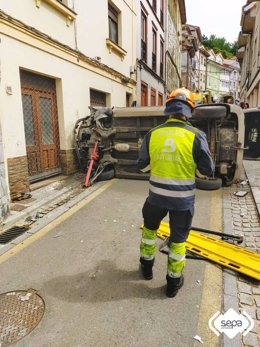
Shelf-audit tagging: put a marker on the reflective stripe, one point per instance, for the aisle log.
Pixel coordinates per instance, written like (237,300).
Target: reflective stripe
(148,241)
(178,182)
(147,257)
(177,256)
(174,274)
(146,169)
(172,193)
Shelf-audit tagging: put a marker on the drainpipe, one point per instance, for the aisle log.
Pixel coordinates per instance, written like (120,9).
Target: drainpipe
(206,75)
(75,29)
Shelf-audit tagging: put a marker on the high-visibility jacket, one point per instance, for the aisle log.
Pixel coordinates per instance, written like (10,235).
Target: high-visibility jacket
(172,152)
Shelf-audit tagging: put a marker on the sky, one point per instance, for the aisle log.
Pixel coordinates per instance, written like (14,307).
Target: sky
(219,17)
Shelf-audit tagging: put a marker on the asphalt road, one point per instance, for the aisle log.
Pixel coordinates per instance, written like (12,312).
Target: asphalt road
(86,268)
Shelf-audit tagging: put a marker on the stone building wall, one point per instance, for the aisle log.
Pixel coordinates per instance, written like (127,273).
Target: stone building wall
(69,162)
(18,176)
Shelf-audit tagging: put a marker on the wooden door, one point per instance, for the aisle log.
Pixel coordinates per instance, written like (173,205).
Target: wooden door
(144,94)
(41,132)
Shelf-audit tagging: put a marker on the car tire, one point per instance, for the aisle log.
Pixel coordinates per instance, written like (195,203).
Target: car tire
(208,184)
(106,175)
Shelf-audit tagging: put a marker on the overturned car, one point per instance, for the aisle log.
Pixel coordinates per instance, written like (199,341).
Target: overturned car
(107,141)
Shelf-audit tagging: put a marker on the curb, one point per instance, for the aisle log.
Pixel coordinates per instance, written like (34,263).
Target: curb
(28,211)
(252,169)
(50,218)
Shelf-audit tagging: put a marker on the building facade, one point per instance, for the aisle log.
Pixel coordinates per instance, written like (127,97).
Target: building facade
(50,74)
(232,68)
(248,53)
(158,49)
(214,68)
(151,17)
(176,17)
(203,60)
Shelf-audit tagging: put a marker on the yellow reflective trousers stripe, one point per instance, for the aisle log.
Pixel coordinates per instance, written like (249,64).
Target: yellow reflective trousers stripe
(176,259)
(148,243)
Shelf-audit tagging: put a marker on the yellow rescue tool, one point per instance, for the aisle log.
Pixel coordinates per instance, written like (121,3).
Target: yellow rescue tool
(223,253)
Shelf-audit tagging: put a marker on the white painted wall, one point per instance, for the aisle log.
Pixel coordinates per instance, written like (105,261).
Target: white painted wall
(73,92)
(73,80)
(45,18)
(92,32)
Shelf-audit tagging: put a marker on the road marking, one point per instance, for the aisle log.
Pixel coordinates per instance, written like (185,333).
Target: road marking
(16,249)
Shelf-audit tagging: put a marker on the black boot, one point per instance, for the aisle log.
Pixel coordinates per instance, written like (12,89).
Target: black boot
(147,268)
(173,285)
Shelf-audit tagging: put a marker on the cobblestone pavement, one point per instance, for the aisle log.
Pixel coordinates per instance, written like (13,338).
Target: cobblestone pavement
(241,218)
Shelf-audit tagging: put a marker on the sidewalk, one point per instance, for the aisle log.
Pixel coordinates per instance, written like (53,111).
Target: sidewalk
(252,169)
(241,217)
(52,199)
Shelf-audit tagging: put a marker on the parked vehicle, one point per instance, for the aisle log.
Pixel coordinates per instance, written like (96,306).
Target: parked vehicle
(119,133)
(252,133)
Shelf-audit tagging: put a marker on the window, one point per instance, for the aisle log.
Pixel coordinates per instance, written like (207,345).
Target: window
(144,94)
(97,98)
(153,97)
(160,99)
(154,52)
(154,4)
(162,12)
(161,58)
(113,24)
(143,37)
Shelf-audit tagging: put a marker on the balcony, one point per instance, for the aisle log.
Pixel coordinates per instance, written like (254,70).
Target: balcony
(240,52)
(242,39)
(248,18)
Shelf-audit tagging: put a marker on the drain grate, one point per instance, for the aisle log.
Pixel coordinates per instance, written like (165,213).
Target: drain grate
(12,233)
(20,312)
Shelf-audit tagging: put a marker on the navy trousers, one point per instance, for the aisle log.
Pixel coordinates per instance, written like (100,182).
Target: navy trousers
(180,221)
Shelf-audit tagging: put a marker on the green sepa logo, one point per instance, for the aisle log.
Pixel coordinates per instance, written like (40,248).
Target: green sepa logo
(231,323)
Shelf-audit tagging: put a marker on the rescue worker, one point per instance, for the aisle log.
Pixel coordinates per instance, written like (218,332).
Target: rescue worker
(172,152)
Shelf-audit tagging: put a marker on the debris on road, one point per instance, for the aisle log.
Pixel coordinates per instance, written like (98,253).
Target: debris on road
(58,235)
(241,193)
(198,338)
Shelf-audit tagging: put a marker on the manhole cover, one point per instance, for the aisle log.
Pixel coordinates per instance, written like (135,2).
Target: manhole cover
(20,313)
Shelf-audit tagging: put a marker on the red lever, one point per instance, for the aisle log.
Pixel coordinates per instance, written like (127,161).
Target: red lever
(94,157)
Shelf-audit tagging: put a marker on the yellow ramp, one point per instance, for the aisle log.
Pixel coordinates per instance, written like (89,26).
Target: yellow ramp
(223,253)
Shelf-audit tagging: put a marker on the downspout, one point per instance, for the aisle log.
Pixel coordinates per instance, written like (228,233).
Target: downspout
(75,29)
(206,75)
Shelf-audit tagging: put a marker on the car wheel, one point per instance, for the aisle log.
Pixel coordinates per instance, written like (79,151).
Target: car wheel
(208,184)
